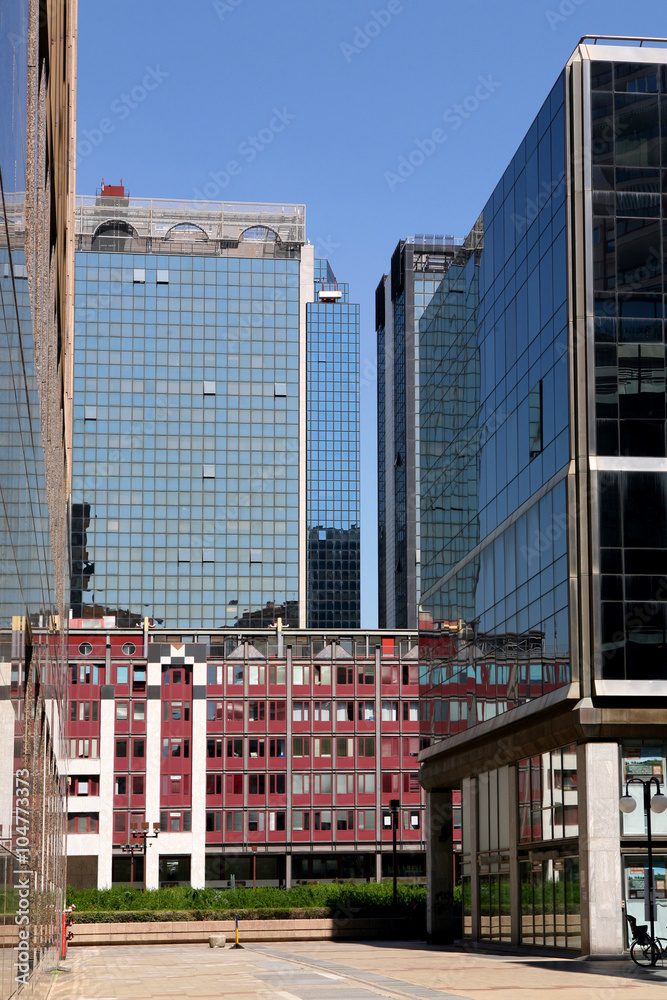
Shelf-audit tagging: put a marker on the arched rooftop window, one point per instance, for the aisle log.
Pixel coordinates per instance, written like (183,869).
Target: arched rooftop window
(113,234)
(186,231)
(260,233)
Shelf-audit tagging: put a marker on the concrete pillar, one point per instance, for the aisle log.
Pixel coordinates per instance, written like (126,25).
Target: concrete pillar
(440,924)
(153,761)
(474,850)
(600,871)
(288,871)
(198,776)
(378,866)
(107,752)
(515,870)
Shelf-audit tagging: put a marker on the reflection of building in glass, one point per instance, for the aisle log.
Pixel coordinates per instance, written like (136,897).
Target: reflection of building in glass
(215,416)
(417,268)
(37,52)
(543,619)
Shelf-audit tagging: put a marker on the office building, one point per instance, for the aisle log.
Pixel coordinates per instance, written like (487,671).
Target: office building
(254,754)
(542,620)
(417,268)
(216,417)
(332,440)
(37,67)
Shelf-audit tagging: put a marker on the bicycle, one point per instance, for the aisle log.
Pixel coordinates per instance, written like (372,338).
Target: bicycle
(644,951)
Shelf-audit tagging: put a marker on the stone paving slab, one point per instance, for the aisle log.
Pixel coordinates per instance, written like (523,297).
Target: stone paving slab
(342,971)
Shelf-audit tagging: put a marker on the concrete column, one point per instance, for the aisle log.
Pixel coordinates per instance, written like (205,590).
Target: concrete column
(515,871)
(600,872)
(107,746)
(288,871)
(474,850)
(288,749)
(198,776)
(440,924)
(306,295)
(378,866)
(153,760)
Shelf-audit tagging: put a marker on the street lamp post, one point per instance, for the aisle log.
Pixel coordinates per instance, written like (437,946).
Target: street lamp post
(141,833)
(657,804)
(131,849)
(394,803)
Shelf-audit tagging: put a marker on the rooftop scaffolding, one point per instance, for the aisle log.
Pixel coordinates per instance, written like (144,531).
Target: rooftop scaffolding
(198,221)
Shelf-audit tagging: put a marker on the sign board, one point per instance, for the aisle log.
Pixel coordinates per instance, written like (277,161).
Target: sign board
(643,762)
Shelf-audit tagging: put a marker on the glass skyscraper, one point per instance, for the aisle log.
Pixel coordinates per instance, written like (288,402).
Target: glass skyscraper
(201,333)
(417,268)
(543,608)
(333,454)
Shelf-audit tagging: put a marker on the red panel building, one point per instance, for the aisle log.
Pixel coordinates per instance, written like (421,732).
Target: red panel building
(257,755)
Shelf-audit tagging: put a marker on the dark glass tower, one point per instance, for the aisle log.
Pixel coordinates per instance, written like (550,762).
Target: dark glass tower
(543,619)
(417,268)
(195,482)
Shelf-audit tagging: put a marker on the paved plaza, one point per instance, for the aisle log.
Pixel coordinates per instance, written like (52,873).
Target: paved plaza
(307,970)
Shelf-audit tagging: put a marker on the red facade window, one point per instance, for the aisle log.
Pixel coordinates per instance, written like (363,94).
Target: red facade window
(234,784)
(83,822)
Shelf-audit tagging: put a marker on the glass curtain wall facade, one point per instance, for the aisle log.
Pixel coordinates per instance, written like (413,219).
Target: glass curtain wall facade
(417,268)
(543,638)
(37,51)
(334,583)
(191,496)
(494,618)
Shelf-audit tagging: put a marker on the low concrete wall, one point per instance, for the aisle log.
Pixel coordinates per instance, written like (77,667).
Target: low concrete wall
(198,931)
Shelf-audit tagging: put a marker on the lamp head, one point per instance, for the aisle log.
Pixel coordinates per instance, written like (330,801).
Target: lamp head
(659,803)
(627,804)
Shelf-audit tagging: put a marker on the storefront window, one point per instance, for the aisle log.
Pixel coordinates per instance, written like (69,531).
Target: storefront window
(548,805)
(550,914)
(643,761)
(635,876)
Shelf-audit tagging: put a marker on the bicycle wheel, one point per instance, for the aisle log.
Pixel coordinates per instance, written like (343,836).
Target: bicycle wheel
(644,954)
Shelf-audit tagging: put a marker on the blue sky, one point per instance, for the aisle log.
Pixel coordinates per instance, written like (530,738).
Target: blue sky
(320,102)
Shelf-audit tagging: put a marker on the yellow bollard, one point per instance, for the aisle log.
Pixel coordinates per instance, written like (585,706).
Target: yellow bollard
(237,945)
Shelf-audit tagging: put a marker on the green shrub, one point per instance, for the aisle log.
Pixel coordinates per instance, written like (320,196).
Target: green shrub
(338,899)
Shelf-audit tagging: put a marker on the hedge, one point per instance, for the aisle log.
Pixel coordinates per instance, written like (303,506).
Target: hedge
(344,899)
(153,916)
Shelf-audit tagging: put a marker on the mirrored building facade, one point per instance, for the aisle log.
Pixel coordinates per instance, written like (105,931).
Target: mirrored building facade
(542,448)
(215,418)
(417,268)
(332,436)
(37,55)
